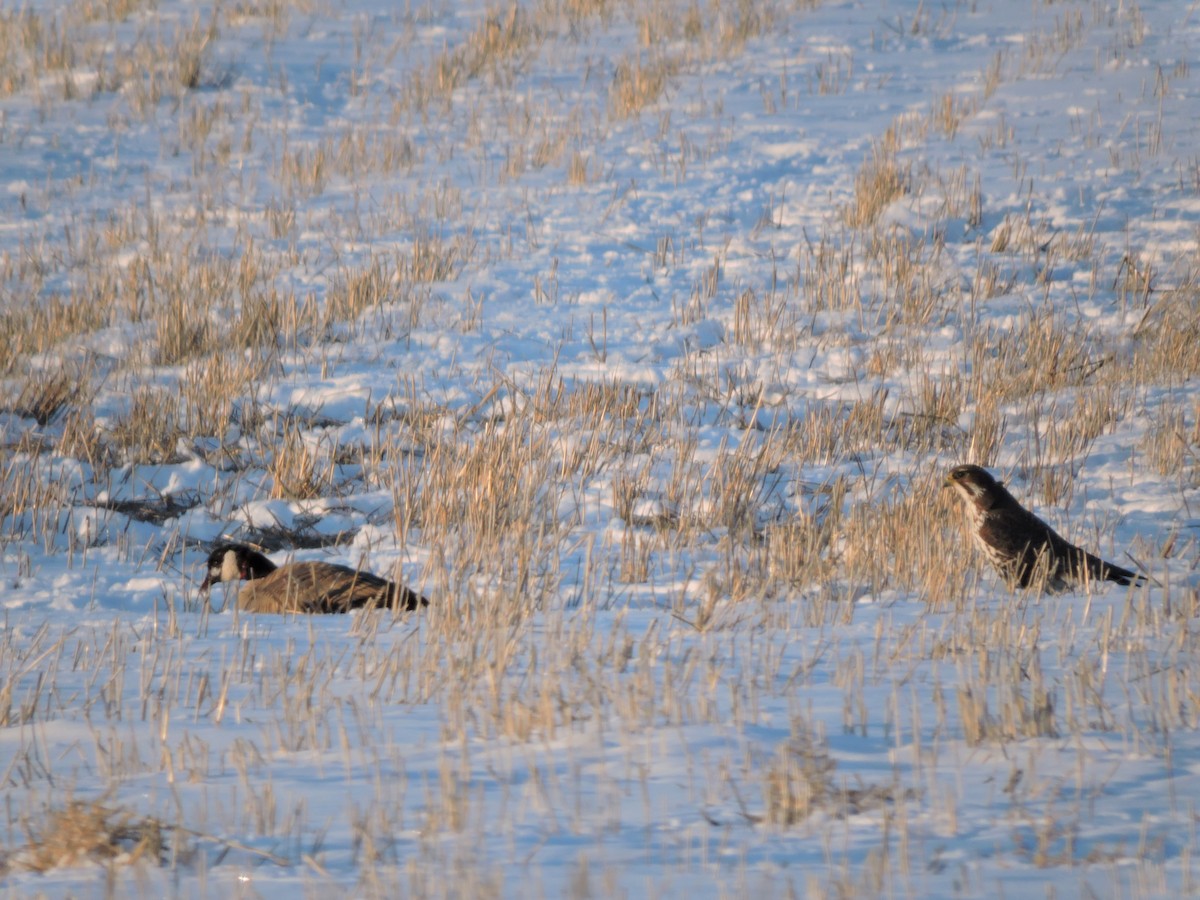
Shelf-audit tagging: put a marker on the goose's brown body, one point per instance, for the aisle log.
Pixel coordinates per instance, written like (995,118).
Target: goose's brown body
(304,587)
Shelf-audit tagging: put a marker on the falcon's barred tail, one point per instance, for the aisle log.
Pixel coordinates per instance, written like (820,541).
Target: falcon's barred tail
(1098,568)
(1124,576)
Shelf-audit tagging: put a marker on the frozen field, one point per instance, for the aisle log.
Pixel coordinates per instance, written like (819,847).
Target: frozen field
(639,336)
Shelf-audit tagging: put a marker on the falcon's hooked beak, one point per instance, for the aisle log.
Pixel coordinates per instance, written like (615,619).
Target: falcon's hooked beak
(950,481)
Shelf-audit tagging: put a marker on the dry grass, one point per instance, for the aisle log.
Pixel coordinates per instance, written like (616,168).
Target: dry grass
(737,507)
(496,48)
(1172,442)
(30,503)
(149,431)
(37,324)
(1167,348)
(637,83)
(1042,354)
(950,111)
(43,395)
(914,289)
(881,179)
(213,387)
(800,781)
(300,470)
(82,832)
(65,48)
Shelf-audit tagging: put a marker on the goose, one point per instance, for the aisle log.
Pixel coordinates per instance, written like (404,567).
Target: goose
(302,587)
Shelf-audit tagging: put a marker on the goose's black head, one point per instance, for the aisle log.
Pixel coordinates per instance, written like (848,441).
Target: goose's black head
(234,562)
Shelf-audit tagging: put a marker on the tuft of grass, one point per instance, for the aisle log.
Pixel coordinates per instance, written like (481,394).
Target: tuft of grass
(1021,713)
(580,169)
(192,48)
(354,291)
(80,832)
(1171,443)
(800,781)
(263,321)
(149,431)
(638,81)
(1044,352)
(880,180)
(497,47)
(299,469)
(211,388)
(39,324)
(900,542)
(949,112)
(833,75)
(183,332)
(43,395)
(431,258)
(1167,338)
(742,21)
(29,505)
(764,321)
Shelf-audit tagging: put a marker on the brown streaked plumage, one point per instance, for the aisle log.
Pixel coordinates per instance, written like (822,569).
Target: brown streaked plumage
(1024,549)
(303,587)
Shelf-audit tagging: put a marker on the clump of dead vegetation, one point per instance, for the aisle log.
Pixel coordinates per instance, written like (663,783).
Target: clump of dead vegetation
(84,832)
(801,781)
(547,499)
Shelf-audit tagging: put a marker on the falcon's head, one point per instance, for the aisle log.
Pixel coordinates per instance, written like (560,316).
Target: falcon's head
(975,485)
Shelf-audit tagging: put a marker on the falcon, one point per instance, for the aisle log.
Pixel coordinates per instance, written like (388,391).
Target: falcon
(1024,549)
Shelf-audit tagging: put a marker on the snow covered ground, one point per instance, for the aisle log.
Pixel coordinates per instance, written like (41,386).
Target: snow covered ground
(639,336)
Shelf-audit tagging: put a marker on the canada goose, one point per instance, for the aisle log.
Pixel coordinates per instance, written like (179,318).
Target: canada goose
(303,587)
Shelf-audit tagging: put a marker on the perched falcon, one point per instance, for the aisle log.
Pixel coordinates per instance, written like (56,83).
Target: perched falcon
(1024,549)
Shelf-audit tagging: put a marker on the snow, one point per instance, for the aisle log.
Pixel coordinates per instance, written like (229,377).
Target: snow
(603,701)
